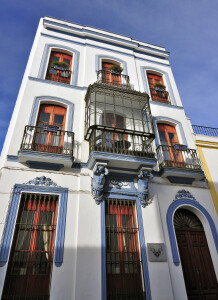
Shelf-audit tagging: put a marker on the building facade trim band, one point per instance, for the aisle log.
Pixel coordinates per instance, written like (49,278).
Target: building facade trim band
(213,192)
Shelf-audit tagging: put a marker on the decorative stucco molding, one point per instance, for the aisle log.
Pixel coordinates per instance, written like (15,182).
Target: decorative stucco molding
(42,181)
(144,177)
(119,184)
(98,182)
(184,194)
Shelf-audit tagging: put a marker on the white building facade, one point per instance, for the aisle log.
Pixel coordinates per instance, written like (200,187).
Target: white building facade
(103,195)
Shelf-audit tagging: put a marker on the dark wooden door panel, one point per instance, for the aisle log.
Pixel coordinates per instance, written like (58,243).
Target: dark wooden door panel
(199,274)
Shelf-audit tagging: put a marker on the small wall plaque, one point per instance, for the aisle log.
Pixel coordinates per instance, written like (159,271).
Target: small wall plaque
(156,252)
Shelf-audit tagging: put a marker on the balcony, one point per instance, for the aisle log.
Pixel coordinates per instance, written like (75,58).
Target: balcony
(209,131)
(59,75)
(118,126)
(160,96)
(46,145)
(113,78)
(176,164)
(120,141)
(170,157)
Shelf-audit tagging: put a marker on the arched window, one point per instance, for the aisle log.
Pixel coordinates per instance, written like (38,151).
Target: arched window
(49,134)
(157,88)
(197,266)
(59,67)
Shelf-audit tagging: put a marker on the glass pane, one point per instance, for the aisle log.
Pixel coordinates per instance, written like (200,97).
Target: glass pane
(27,217)
(58,119)
(55,58)
(43,239)
(40,263)
(172,138)
(67,61)
(44,117)
(45,218)
(162,138)
(19,264)
(23,240)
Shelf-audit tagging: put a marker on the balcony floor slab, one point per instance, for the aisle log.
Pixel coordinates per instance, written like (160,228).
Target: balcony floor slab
(120,161)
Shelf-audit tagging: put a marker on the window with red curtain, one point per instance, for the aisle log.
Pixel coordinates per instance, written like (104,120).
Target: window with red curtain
(108,77)
(157,94)
(168,138)
(123,260)
(59,67)
(30,263)
(49,135)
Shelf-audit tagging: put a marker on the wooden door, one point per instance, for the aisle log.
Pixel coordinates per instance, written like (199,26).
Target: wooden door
(108,77)
(31,258)
(49,135)
(60,74)
(168,138)
(198,270)
(123,263)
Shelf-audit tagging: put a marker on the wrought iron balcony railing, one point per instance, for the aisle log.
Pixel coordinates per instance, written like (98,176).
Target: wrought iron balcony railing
(205,130)
(59,75)
(160,96)
(171,157)
(120,141)
(113,78)
(48,139)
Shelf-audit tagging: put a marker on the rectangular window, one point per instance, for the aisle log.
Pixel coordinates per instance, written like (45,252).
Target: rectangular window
(123,259)
(31,258)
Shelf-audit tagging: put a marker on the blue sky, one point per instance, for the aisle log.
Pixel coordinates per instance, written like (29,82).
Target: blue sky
(188,29)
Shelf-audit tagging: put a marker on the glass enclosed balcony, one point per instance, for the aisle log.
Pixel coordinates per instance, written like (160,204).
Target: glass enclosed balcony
(118,121)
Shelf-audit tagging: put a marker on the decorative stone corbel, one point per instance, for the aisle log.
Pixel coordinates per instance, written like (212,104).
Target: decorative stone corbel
(98,182)
(144,177)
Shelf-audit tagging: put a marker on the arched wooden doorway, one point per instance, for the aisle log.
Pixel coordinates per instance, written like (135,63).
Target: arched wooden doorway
(199,274)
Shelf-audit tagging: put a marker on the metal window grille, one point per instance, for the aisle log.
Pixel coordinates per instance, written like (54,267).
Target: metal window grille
(30,263)
(123,259)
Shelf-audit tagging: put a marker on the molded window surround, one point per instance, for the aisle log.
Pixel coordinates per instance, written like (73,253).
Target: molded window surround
(45,60)
(142,245)
(52,100)
(169,219)
(100,58)
(12,214)
(145,70)
(172,122)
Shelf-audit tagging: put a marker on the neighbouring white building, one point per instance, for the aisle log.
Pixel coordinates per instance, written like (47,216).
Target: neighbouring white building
(103,194)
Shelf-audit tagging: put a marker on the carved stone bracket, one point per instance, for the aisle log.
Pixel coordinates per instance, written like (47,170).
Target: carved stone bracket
(98,182)
(184,194)
(143,179)
(42,181)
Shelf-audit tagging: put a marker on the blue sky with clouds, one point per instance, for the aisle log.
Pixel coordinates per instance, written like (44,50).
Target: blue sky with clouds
(188,29)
